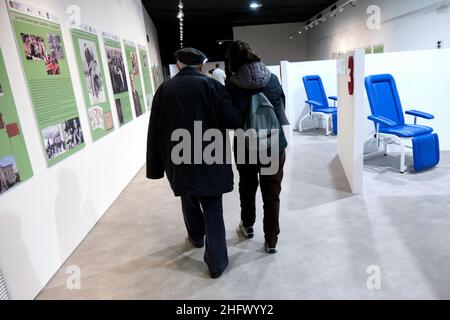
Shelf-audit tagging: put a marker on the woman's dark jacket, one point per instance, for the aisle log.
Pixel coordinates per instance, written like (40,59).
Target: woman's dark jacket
(252,79)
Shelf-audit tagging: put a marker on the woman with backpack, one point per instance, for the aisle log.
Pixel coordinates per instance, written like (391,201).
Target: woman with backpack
(248,77)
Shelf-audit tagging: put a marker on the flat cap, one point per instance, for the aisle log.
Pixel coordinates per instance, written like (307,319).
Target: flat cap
(190,56)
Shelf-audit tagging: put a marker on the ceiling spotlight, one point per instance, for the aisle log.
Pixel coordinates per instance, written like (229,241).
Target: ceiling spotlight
(291,36)
(181,5)
(255,5)
(300,32)
(180,15)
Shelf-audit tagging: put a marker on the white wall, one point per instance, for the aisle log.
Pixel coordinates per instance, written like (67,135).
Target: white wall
(406,25)
(272,43)
(44,219)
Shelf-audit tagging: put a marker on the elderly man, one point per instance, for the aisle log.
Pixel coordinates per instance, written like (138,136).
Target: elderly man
(182,103)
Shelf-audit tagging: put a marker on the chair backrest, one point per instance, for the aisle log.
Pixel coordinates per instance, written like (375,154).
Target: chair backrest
(315,90)
(384,99)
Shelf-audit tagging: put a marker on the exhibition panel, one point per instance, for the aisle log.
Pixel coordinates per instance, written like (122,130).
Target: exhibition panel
(44,59)
(90,66)
(118,73)
(15,166)
(148,86)
(135,78)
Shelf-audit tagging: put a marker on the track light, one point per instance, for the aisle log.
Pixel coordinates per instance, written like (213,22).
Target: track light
(334,10)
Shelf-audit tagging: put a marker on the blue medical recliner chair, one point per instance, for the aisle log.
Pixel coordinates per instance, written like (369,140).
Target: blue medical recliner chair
(318,103)
(387,114)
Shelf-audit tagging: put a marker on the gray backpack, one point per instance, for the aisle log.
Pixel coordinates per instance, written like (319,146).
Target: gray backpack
(261,123)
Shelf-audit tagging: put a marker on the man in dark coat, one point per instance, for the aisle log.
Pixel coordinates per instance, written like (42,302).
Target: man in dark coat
(188,100)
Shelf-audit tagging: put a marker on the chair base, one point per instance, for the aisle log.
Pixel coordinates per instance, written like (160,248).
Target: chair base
(328,118)
(422,159)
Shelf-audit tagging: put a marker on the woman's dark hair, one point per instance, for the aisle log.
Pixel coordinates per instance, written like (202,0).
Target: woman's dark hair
(239,54)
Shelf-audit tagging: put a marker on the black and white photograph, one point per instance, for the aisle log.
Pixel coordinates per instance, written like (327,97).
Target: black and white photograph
(73,134)
(92,73)
(9,174)
(120,111)
(56,50)
(53,140)
(117,70)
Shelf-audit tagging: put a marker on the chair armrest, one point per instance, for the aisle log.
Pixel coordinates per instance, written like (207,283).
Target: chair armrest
(382,120)
(420,114)
(314,103)
(334,98)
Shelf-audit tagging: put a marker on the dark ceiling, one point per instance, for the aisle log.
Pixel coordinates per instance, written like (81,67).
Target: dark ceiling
(206,21)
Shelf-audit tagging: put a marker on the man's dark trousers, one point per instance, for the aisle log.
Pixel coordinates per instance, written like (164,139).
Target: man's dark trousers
(204,217)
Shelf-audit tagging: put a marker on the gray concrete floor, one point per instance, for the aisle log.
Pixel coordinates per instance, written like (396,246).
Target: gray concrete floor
(329,239)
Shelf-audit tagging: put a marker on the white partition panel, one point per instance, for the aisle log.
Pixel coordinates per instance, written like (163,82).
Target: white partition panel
(292,74)
(423,81)
(351,117)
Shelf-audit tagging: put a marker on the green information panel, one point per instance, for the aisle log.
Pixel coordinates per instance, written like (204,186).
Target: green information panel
(117,70)
(146,73)
(15,164)
(137,90)
(93,83)
(41,49)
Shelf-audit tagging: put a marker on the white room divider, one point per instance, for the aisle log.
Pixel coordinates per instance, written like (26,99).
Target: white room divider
(351,95)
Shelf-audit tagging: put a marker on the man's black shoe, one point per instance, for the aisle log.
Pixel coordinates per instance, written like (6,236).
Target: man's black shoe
(199,244)
(217,275)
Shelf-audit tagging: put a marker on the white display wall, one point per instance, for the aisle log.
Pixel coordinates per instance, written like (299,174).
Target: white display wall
(45,218)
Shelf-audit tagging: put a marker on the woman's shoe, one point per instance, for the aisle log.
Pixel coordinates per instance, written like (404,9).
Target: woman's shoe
(270,249)
(247,232)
